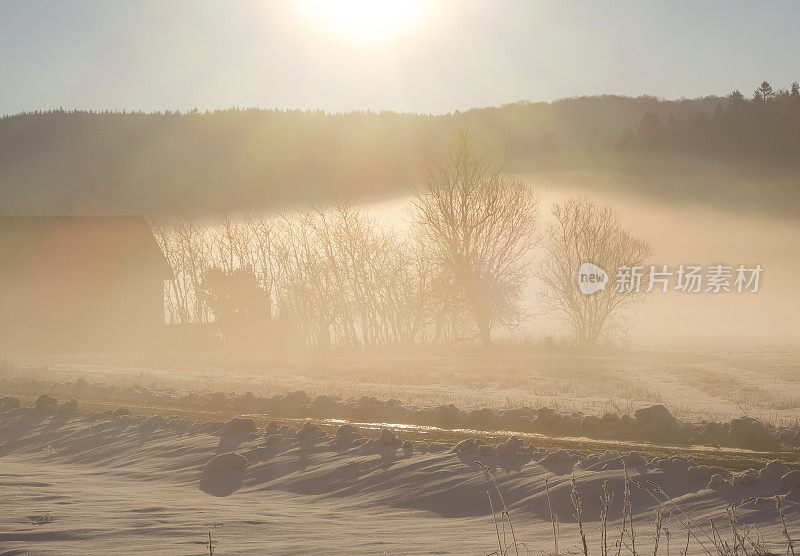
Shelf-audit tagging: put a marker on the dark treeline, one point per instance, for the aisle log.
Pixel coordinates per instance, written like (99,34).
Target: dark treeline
(765,127)
(78,161)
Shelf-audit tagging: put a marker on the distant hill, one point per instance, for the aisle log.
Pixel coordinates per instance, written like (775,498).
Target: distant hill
(77,161)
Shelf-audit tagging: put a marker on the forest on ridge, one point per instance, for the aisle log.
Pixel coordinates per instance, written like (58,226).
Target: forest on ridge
(199,162)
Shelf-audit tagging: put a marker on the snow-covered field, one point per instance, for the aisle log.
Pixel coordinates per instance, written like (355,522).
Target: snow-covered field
(89,479)
(72,482)
(714,381)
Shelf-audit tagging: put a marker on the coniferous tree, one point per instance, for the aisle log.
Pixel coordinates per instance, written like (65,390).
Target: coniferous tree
(764,93)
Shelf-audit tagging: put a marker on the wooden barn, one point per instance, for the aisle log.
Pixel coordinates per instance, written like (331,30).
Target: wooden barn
(80,283)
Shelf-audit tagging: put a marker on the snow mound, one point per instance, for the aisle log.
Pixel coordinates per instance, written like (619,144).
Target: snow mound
(70,407)
(750,433)
(510,448)
(8,403)
(635,459)
(791,480)
(310,431)
(239,425)
(717,481)
(272,428)
(559,462)
(466,445)
(273,439)
(223,463)
(223,474)
(773,471)
(46,404)
(179,470)
(388,438)
(346,431)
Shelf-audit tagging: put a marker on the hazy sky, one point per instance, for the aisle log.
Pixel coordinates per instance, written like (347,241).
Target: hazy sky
(411,55)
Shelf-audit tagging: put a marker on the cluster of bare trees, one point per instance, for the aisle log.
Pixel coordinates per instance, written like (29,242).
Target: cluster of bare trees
(338,276)
(331,276)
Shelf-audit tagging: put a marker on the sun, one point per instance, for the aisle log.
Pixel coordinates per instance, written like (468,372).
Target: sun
(367,19)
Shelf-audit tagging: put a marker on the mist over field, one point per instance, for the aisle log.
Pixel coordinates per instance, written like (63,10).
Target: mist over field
(306,277)
(674,170)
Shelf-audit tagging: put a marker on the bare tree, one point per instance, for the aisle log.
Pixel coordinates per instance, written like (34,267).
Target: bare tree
(337,276)
(478,224)
(188,251)
(584,232)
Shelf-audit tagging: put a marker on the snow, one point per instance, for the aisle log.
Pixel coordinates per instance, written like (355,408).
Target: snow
(703,380)
(762,426)
(84,483)
(224,474)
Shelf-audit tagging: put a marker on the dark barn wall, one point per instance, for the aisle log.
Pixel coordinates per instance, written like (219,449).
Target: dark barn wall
(80,284)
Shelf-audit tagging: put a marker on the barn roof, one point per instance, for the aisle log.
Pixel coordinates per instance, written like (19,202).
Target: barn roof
(94,244)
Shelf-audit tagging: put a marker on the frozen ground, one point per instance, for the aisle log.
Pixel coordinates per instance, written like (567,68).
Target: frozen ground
(714,381)
(79,482)
(73,482)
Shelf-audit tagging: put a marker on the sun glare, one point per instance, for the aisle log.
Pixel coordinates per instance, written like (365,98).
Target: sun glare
(368,19)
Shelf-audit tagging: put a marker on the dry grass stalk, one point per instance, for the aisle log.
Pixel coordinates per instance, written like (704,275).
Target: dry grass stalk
(659,521)
(630,508)
(790,547)
(504,516)
(685,551)
(719,543)
(606,498)
(553,517)
(746,542)
(494,518)
(625,510)
(577,503)
(689,520)
(738,538)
